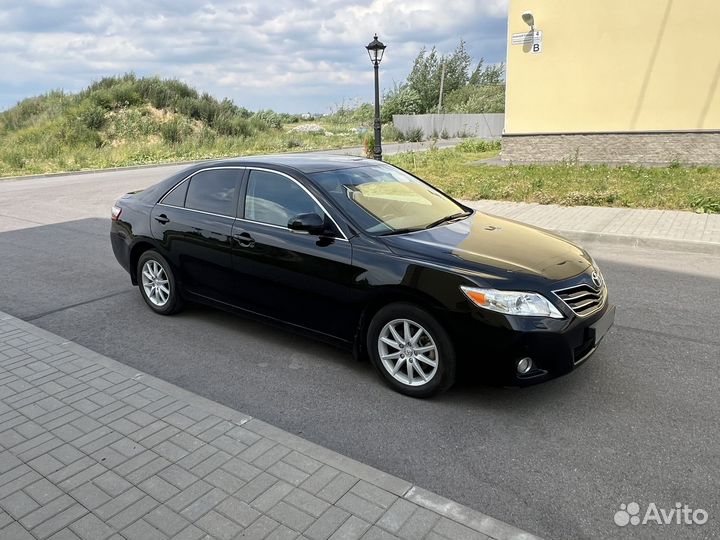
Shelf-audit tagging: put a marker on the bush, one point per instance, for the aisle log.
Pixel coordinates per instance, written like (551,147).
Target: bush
(74,132)
(401,101)
(414,135)
(287,118)
(125,95)
(188,106)
(391,133)
(92,116)
(474,99)
(269,117)
(234,126)
(369,144)
(175,131)
(103,98)
(257,123)
(364,113)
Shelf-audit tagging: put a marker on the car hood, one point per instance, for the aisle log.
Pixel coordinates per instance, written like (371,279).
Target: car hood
(489,244)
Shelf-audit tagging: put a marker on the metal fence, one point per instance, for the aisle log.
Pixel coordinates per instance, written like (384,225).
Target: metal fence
(484,126)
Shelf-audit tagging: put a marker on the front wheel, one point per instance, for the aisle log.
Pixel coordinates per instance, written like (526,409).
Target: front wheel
(157,283)
(411,350)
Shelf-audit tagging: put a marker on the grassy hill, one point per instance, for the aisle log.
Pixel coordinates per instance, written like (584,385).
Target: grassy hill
(128,120)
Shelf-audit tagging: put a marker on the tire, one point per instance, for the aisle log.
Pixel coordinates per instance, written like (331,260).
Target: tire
(150,264)
(415,375)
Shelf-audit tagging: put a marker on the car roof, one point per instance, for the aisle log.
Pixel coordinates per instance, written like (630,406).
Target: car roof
(288,163)
(304,163)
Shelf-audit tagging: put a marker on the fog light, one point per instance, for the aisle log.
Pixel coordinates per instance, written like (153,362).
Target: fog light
(524,365)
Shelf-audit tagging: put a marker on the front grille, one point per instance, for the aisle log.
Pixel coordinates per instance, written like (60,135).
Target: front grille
(583,299)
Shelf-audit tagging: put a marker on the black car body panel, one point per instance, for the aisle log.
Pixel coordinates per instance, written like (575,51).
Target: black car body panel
(331,284)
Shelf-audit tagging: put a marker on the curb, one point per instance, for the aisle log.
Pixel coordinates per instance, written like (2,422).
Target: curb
(108,170)
(617,239)
(665,244)
(456,512)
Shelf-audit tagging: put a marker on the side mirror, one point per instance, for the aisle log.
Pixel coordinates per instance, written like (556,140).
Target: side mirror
(307,223)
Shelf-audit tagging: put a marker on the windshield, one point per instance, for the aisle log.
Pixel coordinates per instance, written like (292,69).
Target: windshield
(384,200)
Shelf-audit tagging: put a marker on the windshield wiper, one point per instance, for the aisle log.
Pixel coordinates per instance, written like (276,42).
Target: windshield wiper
(430,226)
(402,231)
(446,219)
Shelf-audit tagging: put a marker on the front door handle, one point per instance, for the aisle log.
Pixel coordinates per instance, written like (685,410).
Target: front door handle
(162,218)
(244,239)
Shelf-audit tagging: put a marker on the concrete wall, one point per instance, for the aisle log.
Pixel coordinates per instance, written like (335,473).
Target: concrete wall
(485,126)
(700,148)
(614,66)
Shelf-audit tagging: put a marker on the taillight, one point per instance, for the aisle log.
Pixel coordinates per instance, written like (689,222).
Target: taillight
(116,212)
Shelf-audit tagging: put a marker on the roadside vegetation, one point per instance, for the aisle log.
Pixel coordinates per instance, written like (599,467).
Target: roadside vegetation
(468,87)
(457,172)
(127,120)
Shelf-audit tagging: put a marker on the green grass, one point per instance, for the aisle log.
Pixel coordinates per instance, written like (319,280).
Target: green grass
(454,171)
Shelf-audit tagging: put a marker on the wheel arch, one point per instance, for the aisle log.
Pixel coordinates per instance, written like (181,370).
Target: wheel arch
(138,248)
(383,297)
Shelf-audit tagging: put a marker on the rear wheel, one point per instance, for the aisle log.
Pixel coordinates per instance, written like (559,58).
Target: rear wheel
(157,283)
(411,350)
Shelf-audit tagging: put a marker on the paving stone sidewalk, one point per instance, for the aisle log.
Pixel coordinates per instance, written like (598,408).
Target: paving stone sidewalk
(92,449)
(663,229)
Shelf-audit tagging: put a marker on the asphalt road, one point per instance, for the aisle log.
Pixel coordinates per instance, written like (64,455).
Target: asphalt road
(639,422)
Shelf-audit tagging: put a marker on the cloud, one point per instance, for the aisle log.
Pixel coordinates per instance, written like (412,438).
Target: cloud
(291,55)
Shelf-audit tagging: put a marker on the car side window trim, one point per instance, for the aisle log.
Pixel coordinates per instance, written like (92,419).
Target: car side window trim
(196,211)
(313,197)
(189,177)
(243,184)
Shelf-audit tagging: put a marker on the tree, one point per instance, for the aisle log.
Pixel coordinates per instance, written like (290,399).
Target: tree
(473,99)
(487,75)
(482,90)
(427,71)
(402,100)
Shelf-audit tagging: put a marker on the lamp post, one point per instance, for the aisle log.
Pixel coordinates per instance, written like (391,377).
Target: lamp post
(376,49)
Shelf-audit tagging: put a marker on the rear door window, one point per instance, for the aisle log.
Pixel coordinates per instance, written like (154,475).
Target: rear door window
(214,191)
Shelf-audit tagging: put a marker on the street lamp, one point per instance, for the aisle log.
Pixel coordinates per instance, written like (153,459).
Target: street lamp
(376,49)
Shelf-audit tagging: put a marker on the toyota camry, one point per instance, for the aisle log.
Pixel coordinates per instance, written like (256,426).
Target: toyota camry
(364,254)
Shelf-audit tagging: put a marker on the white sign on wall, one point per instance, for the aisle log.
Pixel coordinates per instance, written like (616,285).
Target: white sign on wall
(533,38)
(522,38)
(536,42)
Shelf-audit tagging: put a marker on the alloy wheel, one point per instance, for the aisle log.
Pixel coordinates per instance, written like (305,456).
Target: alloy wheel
(155,283)
(408,352)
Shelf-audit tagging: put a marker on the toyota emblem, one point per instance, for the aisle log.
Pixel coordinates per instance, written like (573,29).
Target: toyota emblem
(596,279)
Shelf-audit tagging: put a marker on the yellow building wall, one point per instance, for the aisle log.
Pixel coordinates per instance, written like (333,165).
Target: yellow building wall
(615,65)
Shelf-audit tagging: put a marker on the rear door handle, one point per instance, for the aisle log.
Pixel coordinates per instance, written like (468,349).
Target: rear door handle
(162,218)
(244,239)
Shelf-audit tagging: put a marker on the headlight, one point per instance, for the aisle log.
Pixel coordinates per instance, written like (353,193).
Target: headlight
(512,302)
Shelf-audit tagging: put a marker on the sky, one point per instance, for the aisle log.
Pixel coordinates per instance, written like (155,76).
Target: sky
(289,55)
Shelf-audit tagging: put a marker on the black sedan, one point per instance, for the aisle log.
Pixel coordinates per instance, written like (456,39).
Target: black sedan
(364,254)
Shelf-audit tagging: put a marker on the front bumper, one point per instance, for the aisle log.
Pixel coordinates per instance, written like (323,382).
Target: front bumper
(558,354)
(556,347)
